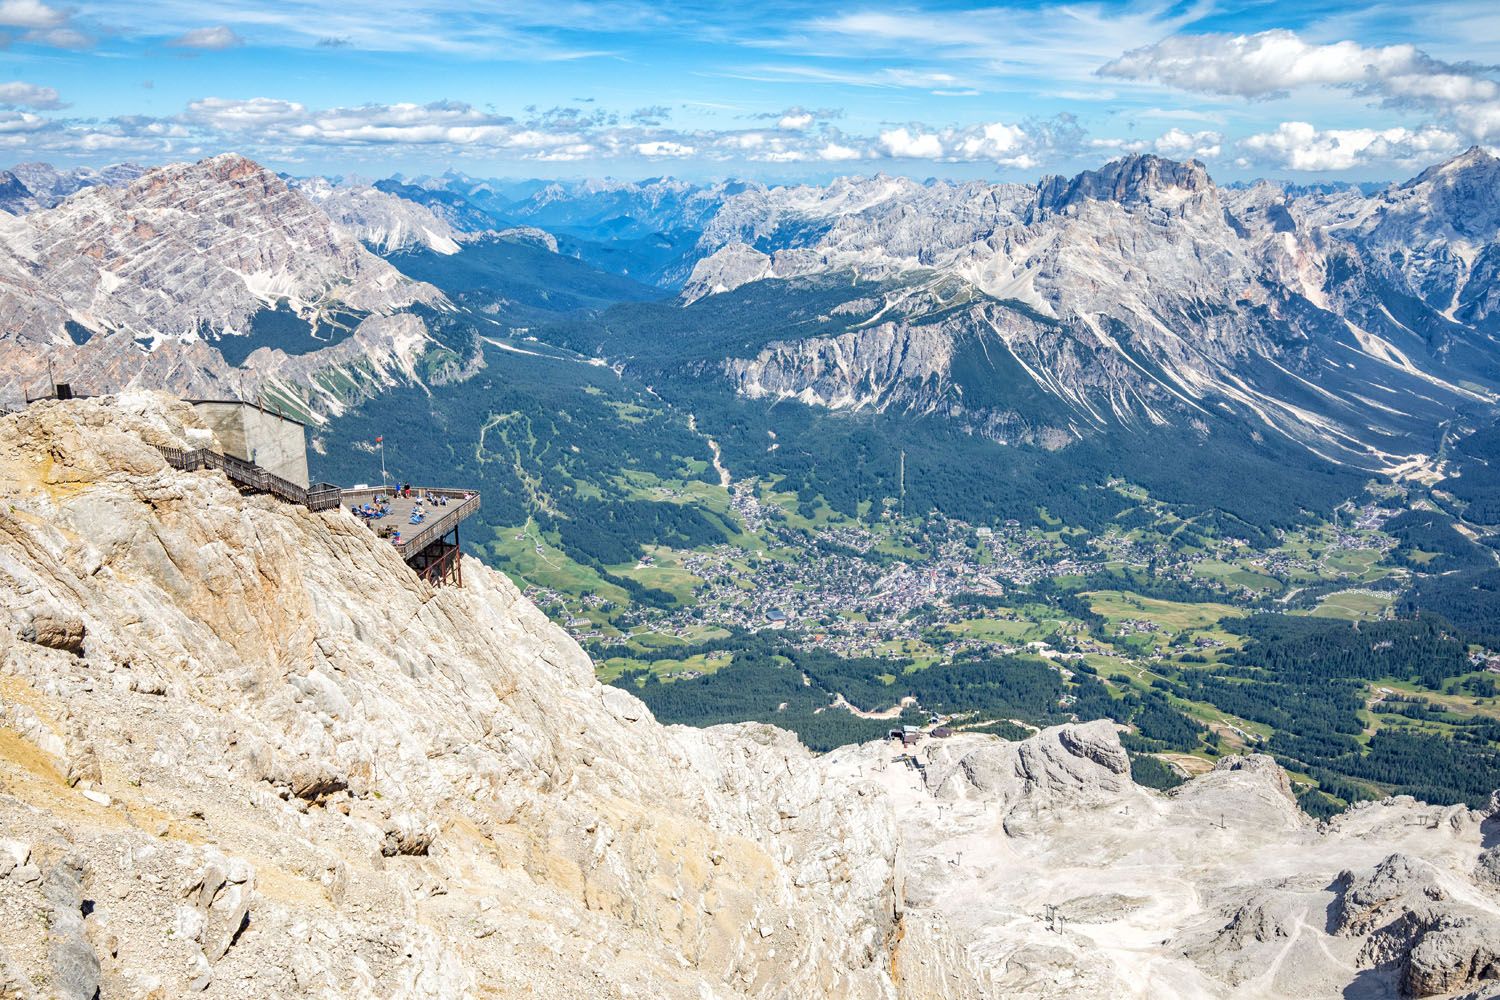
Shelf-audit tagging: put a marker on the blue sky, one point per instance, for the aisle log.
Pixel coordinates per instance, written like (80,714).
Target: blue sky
(777,90)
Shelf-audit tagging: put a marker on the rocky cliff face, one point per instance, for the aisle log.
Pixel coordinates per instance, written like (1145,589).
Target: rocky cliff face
(1172,301)
(245,753)
(380,220)
(1065,879)
(162,278)
(40,185)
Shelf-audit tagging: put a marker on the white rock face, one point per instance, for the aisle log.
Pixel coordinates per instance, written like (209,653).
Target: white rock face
(1065,879)
(301,772)
(1169,300)
(46,185)
(379,219)
(244,752)
(114,282)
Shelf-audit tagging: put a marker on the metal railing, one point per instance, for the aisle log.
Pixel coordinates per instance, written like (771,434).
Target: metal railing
(468,503)
(319,496)
(440,527)
(324,496)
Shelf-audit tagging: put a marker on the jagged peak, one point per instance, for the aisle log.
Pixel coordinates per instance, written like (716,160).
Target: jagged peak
(228,169)
(1127,180)
(1475,158)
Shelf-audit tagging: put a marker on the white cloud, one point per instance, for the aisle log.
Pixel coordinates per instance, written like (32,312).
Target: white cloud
(1301,146)
(1019,146)
(795,120)
(18,94)
(1271,63)
(21,121)
(902,144)
(1179,145)
(834,152)
(216,38)
(991,142)
(1174,144)
(42,25)
(257,112)
(30,14)
(662,148)
(1259,65)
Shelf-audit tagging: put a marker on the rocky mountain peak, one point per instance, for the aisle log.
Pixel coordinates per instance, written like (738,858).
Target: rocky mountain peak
(15,196)
(230,170)
(1475,158)
(1133,179)
(1459,198)
(113,280)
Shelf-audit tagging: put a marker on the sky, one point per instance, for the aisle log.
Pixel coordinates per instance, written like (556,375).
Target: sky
(772,90)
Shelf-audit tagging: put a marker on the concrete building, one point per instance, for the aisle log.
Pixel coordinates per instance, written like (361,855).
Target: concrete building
(276,443)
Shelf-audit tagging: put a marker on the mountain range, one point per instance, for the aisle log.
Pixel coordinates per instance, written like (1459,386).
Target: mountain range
(1358,328)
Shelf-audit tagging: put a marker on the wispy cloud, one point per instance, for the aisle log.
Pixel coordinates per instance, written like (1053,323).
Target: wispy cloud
(40,24)
(18,94)
(215,38)
(986,46)
(538,32)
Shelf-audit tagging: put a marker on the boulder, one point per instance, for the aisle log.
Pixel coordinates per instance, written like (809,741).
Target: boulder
(1458,954)
(1487,871)
(55,631)
(75,967)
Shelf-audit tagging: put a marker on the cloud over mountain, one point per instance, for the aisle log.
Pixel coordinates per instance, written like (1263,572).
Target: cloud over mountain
(1272,63)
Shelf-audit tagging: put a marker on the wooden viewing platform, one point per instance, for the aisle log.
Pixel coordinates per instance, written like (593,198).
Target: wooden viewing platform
(431,548)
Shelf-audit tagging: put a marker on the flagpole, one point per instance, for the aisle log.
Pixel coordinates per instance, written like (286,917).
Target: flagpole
(381,441)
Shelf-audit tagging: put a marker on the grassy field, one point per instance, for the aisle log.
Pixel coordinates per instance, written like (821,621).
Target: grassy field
(997,630)
(1174,616)
(1351,605)
(531,559)
(665,669)
(1459,704)
(665,573)
(1236,576)
(1357,563)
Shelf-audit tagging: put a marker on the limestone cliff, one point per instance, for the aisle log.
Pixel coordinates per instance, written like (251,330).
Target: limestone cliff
(1063,878)
(244,752)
